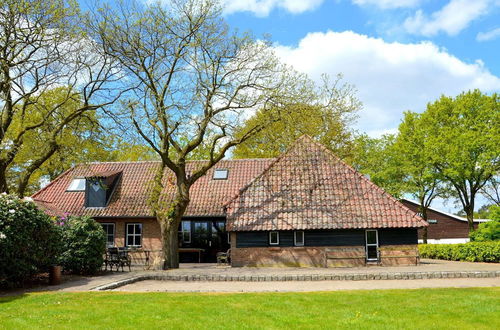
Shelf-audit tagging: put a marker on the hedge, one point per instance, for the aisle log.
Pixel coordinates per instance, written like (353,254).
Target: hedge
(472,251)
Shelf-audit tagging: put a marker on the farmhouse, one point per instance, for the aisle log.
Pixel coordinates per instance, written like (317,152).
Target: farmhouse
(444,228)
(303,208)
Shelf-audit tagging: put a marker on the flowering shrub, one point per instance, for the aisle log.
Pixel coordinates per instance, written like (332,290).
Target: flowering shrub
(29,241)
(84,244)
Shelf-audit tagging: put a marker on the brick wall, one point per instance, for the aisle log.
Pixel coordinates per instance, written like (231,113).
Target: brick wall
(446,226)
(332,256)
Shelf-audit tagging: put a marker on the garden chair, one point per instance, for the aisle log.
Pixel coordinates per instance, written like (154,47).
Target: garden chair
(112,259)
(124,258)
(224,257)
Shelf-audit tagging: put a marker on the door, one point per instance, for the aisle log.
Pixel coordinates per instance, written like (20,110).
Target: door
(371,237)
(209,235)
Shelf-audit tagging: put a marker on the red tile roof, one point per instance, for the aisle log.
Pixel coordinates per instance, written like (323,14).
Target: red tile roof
(308,187)
(131,194)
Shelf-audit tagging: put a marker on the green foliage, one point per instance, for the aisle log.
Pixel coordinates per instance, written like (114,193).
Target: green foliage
(488,231)
(29,240)
(473,251)
(84,245)
(462,138)
(327,125)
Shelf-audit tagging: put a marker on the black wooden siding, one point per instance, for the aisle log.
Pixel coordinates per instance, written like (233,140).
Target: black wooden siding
(328,238)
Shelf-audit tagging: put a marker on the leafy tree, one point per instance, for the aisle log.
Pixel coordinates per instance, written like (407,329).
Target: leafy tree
(328,123)
(463,142)
(488,231)
(491,190)
(44,46)
(194,82)
(419,177)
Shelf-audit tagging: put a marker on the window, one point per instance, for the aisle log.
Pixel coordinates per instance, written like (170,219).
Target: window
(274,238)
(220,174)
(371,245)
(299,238)
(109,229)
(134,234)
(77,185)
(433,221)
(186,231)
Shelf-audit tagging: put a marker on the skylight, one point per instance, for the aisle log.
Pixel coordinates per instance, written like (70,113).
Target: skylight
(77,185)
(220,174)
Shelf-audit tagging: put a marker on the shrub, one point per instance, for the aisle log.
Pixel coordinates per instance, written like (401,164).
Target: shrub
(473,251)
(488,231)
(84,244)
(29,241)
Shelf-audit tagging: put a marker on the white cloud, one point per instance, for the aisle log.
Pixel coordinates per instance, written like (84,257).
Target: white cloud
(262,8)
(487,36)
(390,77)
(451,19)
(387,4)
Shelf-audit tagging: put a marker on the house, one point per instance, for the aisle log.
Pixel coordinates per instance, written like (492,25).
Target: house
(304,208)
(444,228)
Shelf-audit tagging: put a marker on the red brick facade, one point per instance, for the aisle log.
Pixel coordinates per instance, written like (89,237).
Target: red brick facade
(446,227)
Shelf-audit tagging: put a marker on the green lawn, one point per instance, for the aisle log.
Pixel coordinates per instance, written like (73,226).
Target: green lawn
(379,309)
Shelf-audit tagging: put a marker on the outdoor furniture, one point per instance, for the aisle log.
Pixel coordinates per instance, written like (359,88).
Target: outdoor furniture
(224,257)
(118,257)
(193,250)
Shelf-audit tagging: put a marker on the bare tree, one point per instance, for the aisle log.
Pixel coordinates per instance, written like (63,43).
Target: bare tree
(195,83)
(43,45)
(491,190)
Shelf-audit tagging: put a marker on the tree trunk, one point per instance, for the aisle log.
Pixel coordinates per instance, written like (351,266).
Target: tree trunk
(423,210)
(469,211)
(170,246)
(424,235)
(3,180)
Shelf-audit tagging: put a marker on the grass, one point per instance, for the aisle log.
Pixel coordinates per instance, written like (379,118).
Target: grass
(477,308)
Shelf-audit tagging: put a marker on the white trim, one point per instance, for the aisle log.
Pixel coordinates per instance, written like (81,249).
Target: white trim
(371,244)
(445,241)
(278,236)
(183,231)
(456,217)
(295,238)
(114,232)
(134,234)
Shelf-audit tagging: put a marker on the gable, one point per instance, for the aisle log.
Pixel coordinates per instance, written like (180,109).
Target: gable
(310,188)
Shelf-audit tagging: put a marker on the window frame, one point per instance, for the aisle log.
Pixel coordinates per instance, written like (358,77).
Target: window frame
(277,238)
(73,180)
(432,221)
(376,244)
(182,231)
(295,238)
(127,234)
(107,235)
(221,170)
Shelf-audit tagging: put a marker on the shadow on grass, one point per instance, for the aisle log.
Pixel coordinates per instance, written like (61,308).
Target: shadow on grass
(6,297)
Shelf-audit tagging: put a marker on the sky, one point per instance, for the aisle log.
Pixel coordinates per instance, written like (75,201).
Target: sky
(400,54)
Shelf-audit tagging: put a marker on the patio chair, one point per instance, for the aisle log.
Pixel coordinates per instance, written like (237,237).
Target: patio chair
(224,257)
(124,258)
(112,259)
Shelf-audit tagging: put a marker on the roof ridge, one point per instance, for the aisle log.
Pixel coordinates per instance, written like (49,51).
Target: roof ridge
(363,177)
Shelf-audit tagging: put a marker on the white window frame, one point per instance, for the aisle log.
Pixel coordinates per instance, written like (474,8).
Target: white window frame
(134,234)
(432,221)
(114,232)
(74,186)
(185,231)
(371,244)
(295,238)
(277,236)
(221,170)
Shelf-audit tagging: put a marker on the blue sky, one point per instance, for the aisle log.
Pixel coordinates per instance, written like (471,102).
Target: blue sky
(400,54)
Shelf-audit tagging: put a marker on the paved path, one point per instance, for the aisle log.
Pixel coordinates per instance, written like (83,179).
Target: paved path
(176,286)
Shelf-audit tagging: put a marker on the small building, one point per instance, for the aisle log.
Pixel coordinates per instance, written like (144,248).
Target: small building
(444,228)
(304,208)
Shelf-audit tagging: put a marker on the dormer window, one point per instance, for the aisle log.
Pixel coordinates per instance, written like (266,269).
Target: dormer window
(100,188)
(220,174)
(77,185)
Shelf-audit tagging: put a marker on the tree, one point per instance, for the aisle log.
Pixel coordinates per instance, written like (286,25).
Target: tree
(463,141)
(328,123)
(412,160)
(194,82)
(491,190)
(43,45)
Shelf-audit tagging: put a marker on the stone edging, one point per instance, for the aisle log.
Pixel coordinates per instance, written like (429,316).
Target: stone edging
(299,277)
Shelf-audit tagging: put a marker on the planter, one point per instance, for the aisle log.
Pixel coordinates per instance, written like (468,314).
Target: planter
(55,275)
